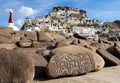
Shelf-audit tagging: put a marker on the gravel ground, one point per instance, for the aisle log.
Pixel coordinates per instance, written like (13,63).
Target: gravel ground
(106,75)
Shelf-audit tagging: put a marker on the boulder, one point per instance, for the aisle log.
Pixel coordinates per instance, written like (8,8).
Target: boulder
(27,34)
(62,43)
(40,66)
(57,37)
(66,64)
(70,65)
(90,48)
(84,42)
(24,42)
(5,38)
(30,35)
(75,42)
(18,33)
(43,52)
(40,52)
(40,62)
(37,44)
(6,30)
(110,60)
(117,49)
(113,39)
(100,45)
(15,67)
(42,36)
(8,46)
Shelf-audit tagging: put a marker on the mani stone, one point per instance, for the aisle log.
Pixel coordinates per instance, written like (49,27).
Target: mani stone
(73,60)
(73,49)
(109,58)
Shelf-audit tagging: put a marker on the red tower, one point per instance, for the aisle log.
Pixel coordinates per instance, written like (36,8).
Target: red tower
(10,21)
(10,17)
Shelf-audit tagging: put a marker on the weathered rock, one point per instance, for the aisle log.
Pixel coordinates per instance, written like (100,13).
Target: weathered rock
(113,39)
(46,52)
(31,35)
(42,36)
(40,66)
(5,38)
(117,49)
(37,44)
(110,59)
(15,67)
(62,43)
(90,48)
(73,64)
(75,42)
(8,46)
(6,30)
(101,45)
(57,37)
(111,50)
(39,61)
(43,52)
(27,34)
(84,42)
(24,42)
(18,33)
(40,52)
(76,50)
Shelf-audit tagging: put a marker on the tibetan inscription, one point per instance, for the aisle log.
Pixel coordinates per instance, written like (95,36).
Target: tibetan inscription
(65,65)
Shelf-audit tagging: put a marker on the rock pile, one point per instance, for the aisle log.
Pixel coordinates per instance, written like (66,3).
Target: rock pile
(54,55)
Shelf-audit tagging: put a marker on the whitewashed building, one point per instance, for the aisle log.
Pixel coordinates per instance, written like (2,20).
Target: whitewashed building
(83,31)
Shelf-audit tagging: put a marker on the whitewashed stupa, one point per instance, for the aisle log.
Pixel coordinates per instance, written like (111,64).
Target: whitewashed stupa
(10,21)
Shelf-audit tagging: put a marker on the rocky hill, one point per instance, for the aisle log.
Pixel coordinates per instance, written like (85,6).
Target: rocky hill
(61,19)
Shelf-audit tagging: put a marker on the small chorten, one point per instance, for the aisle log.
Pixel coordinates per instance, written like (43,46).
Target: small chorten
(10,21)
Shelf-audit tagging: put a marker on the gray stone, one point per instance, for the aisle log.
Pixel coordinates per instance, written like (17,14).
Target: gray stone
(109,58)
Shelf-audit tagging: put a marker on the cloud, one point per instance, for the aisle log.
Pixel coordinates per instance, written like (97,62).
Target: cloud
(19,22)
(25,11)
(8,10)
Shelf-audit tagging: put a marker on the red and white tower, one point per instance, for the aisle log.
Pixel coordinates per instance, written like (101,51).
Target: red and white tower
(10,21)
(10,18)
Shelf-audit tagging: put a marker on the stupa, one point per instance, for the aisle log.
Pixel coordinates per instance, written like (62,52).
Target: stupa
(10,21)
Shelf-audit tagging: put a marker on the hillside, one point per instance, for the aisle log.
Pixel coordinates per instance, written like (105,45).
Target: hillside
(61,19)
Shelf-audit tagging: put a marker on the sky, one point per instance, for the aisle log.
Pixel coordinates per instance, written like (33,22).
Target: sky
(104,10)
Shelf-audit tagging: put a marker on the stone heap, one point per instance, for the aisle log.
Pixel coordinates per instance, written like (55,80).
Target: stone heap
(54,54)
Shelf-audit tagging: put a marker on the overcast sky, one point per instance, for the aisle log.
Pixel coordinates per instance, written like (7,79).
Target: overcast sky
(105,10)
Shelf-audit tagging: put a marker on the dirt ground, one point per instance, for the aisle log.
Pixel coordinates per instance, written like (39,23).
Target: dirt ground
(106,75)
